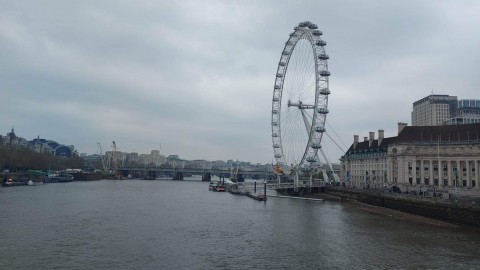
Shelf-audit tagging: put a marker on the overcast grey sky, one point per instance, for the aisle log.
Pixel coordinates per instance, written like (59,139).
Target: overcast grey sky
(196,77)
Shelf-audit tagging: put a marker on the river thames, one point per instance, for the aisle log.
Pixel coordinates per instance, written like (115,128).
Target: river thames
(162,224)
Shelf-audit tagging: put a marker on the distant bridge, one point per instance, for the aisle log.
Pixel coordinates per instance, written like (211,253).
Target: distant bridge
(179,172)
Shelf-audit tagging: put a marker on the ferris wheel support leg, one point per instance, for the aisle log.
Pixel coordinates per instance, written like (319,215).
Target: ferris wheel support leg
(305,120)
(335,176)
(311,176)
(295,182)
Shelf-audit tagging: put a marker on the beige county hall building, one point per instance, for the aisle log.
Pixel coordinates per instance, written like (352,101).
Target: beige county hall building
(441,149)
(441,156)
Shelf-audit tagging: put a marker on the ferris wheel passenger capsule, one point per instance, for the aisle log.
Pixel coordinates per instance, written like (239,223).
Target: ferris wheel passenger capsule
(322,110)
(321,43)
(278,156)
(312,26)
(316,146)
(317,33)
(275,99)
(311,159)
(279,75)
(323,56)
(325,73)
(324,91)
(320,129)
(276,146)
(285,52)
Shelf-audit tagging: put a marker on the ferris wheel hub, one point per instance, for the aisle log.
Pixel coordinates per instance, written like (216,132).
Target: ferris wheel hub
(299,104)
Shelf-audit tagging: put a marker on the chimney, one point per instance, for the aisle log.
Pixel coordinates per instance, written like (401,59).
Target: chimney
(380,136)
(401,126)
(355,141)
(365,139)
(371,135)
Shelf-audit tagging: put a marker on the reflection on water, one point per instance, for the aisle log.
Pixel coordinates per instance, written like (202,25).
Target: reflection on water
(136,224)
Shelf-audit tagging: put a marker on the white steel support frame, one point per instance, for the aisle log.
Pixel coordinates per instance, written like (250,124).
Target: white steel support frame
(305,31)
(335,176)
(302,108)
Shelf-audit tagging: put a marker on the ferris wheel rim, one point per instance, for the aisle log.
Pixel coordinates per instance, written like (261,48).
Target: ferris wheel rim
(304,31)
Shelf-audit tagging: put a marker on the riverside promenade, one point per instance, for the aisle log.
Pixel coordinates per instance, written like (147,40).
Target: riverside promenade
(449,205)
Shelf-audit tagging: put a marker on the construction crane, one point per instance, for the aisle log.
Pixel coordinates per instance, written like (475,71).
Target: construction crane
(102,157)
(118,175)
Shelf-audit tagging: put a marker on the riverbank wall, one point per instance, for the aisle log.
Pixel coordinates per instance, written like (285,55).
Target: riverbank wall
(456,209)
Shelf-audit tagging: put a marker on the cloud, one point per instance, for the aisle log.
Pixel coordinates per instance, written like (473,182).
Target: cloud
(197,77)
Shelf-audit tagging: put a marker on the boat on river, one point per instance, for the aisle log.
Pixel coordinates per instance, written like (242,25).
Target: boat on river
(219,187)
(211,186)
(59,178)
(86,176)
(11,183)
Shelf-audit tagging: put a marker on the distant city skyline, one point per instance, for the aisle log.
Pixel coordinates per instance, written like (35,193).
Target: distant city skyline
(197,77)
(20,140)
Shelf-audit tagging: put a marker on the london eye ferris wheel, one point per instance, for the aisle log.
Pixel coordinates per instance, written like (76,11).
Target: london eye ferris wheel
(300,100)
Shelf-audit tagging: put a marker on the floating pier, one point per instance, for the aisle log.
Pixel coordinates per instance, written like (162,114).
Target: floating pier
(297,198)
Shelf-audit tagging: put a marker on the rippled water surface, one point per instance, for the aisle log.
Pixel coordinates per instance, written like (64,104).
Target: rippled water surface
(161,224)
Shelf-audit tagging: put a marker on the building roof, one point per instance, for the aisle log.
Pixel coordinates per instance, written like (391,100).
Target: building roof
(447,133)
(365,146)
(422,134)
(436,99)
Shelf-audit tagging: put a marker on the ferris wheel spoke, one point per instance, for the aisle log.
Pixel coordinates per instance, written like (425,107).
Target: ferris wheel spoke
(309,65)
(302,70)
(291,134)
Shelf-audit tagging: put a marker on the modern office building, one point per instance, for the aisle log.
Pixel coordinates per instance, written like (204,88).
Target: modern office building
(467,112)
(446,156)
(435,110)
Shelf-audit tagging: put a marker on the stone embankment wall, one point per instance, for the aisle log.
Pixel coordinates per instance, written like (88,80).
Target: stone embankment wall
(456,209)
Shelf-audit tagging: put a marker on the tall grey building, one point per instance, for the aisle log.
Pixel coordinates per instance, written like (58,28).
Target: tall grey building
(433,110)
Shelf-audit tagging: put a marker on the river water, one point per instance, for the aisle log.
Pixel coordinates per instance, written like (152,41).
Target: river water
(135,224)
